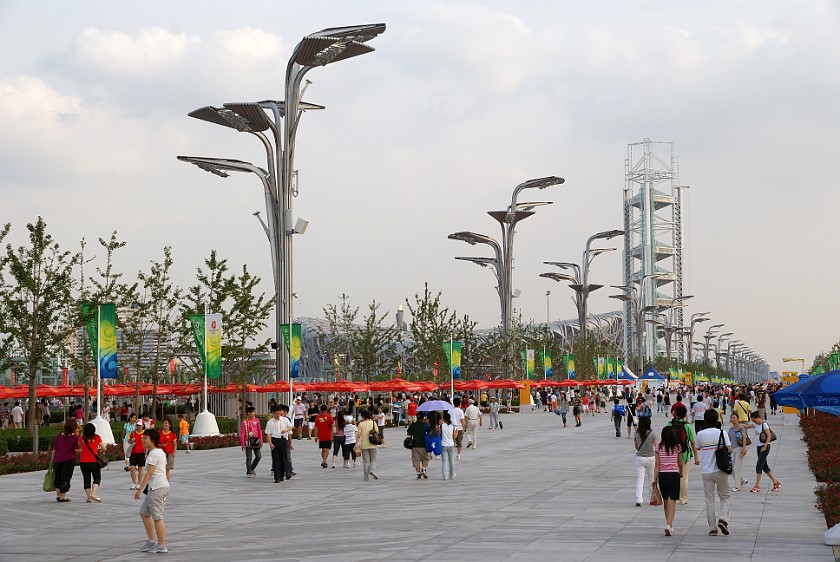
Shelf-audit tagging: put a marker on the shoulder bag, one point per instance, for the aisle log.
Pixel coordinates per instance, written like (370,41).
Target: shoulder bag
(723,458)
(763,436)
(253,440)
(99,460)
(374,436)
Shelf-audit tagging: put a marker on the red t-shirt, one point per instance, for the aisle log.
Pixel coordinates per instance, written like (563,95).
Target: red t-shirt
(412,408)
(86,455)
(674,408)
(138,443)
(323,427)
(167,442)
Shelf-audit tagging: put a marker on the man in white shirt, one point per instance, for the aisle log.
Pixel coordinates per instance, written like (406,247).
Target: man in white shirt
(456,415)
(713,477)
(298,414)
(151,511)
(279,430)
(17,415)
(698,410)
(473,419)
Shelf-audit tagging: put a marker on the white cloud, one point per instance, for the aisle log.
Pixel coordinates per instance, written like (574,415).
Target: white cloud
(117,53)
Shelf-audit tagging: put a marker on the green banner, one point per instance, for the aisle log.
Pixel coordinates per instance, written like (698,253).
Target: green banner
(610,368)
(108,341)
(546,359)
(207,332)
(529,363)
(291,336)
(602,370)
(89,317)
(569,363)
(452,349)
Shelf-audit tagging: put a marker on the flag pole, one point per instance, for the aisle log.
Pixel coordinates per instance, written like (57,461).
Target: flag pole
(98,361)
(204,363)
(451,374)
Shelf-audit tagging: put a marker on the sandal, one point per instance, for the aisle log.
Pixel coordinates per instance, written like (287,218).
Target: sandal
(776,486)
(755,490)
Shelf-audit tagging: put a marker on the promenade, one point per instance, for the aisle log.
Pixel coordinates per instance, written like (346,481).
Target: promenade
(533,491)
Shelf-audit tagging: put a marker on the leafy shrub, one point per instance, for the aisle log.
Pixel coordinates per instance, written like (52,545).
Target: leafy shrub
(215,442)
(828,502)
(227,425)
(3,447)
(25,462)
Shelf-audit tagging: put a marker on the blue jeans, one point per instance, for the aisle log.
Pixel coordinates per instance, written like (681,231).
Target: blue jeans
(448,464)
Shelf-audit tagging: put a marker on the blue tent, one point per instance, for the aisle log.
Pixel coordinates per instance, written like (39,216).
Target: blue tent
(651,375)
(627,374)
(821,393)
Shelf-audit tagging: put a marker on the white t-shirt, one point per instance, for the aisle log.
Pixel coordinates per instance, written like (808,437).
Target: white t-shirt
(472,413)
(380,419)
(759,429)
(707,441)
(456,415)
(699,409)
(157,458)
(446,435)
(17,414)
(349,434)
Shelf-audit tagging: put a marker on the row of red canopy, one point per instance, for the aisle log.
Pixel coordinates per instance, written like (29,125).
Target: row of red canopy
(392,385)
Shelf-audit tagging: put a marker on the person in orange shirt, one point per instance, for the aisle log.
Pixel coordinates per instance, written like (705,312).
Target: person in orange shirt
(184,431)
(168,442)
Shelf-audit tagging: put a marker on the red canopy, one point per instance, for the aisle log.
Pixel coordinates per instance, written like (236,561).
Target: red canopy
(395,385)
(504,383)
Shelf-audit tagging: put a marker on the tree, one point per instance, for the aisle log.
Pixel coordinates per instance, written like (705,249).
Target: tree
(163,298)
(248,317)
(36,305)
(375,345)
(432,324)
(338,340)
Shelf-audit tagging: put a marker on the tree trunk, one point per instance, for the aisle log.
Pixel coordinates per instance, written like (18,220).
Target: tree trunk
(32,409)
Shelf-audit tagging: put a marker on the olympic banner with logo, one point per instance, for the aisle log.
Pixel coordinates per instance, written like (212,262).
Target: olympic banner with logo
(452,350)
(291,336)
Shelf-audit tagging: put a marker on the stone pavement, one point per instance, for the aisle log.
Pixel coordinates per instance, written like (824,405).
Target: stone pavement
(531,491)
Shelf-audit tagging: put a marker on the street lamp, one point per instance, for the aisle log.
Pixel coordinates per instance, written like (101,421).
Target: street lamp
(800,359)
(473,238)
(275,124)
(696,318)
(708,337)
(581,285)
(721,338)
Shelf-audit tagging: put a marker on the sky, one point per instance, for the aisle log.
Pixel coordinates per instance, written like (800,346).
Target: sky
(460,102)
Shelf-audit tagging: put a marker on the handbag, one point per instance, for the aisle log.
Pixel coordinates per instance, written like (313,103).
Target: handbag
(723,458)
(763,436)
(102,463)
(408,442)
(655,495)
(374,436)
(49,479)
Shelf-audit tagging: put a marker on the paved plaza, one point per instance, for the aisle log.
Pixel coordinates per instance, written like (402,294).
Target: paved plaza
(533,491)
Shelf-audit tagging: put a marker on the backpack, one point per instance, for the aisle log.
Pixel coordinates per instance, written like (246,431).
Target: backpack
(682,437)
(618,410)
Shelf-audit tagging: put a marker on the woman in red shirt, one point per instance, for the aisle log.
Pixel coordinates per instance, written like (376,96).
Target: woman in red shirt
(91,444)
(168,439)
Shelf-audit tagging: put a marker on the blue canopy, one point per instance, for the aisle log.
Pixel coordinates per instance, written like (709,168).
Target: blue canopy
(821,393)
(627,374)
(651,375)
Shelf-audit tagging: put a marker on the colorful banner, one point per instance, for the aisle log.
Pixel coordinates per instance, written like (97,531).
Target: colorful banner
(546,359)
(207,333)
(569,363)
(529,363)
(602,369)
(291,335)
(452,349)
(107,341)
(89,317)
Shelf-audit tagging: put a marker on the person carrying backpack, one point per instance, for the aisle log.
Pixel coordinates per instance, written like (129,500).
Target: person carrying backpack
(618,413)
(686,439)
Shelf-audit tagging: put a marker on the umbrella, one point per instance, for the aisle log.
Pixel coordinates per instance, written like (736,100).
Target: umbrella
(434,405)
(395,385)
(505,383)
(821,392)
(568,383)
(651,375)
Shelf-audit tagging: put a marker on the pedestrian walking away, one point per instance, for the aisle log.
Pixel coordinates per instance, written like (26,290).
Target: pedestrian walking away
(709,441)
(91,445)
(494,414)
(618,413)
(644,442)
(251,441)
(563,408)
(763,437)
(338,435)
(448,433)
(348,449)
(456,414)
(65,448)
(184,431)
(668,469)
(473,421)
(368,449)
(417,431)
(685,437)
(155,486)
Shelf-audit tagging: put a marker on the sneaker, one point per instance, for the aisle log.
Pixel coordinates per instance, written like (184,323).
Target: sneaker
(374,475)
(723,526)
(454,474)
(160,549)
(250,475)
(736,489)
(424,474)
(419,476)
(458,457)
(713,533)
(127,469)
(149,546)
(134,487)
(469,445)
(668,531)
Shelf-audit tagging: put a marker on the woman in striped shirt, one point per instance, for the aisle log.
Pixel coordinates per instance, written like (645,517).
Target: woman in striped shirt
(667,473)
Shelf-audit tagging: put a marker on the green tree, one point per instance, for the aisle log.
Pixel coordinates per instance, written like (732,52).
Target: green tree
(36,304)
(375,345)
(337,340)
(431,325)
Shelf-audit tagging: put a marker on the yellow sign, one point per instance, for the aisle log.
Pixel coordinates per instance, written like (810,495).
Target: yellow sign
(687,378)
(525,395)
(788,378)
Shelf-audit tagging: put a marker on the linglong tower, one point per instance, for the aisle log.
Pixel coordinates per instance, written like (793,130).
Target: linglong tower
(653,243)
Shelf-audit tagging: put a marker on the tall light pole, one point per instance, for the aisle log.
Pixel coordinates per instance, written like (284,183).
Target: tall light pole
(800,359)
(696,318)
(708,337)
(503,262)
(721,339)
(275,124)
(635,296)
(581,285)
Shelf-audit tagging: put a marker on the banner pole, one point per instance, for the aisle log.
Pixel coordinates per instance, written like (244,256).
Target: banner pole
(98,361)
(204,364)
(451,374)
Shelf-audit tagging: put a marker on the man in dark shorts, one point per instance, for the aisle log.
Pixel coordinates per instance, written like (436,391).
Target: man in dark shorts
(298,414)
(324,433)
